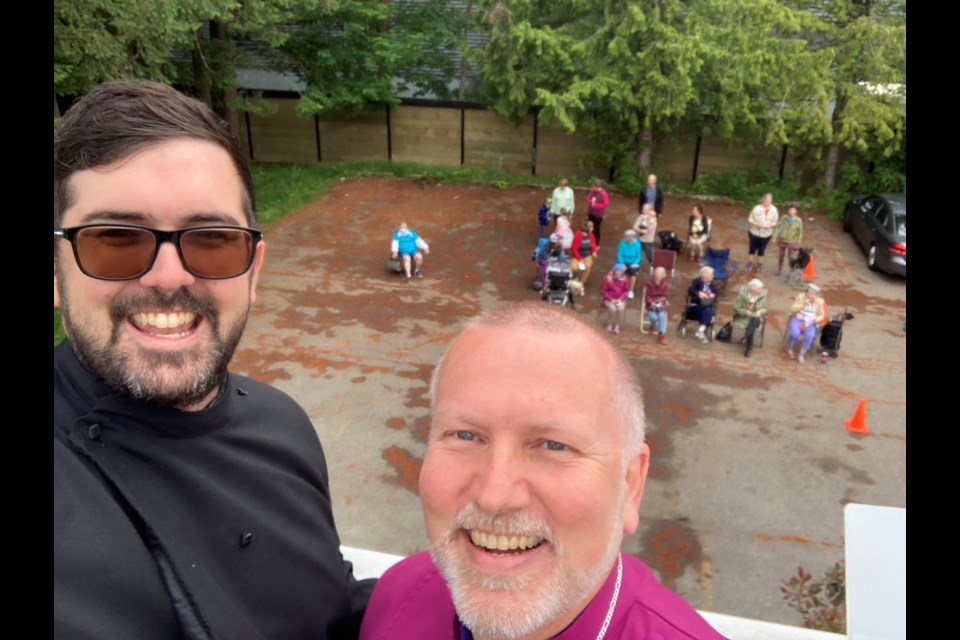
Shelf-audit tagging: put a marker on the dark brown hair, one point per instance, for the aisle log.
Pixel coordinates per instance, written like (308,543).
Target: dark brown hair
(116,119)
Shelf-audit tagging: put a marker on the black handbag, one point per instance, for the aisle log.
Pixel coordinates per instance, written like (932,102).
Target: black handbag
(725,333)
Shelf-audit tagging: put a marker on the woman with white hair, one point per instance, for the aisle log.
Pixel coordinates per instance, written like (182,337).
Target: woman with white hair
(613,294)
(763,220)
(702,294)
(630,253)
(808,312)
(655,297)
(748,312)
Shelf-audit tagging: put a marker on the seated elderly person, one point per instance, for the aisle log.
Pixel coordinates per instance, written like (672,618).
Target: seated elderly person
(749,310)
(408,245)
(808,312)
(656,297)
(527,503)
(630,253)
(702,294)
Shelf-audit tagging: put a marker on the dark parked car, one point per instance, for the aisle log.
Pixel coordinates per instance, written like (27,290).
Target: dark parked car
(878,223)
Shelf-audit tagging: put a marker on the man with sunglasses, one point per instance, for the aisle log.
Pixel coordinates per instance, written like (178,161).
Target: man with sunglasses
(188,502)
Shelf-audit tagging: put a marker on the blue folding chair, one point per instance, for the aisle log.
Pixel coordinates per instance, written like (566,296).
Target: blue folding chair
(723,267)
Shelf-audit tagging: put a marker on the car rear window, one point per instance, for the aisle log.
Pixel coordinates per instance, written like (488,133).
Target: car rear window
(900,225)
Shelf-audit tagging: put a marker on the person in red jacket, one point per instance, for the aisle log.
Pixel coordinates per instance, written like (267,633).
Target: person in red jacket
(597,203)
(584,250)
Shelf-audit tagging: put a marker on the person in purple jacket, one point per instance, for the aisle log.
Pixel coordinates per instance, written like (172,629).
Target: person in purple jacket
(527,496)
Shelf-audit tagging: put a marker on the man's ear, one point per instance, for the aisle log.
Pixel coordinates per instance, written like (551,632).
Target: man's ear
(255,277)
(636,480)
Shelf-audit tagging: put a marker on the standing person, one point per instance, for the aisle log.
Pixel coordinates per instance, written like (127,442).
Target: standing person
(564,231)
(409,247)
(188,502)
(563,198)
(597,203)
(653,195)
(646,228)
(749,310)
(698,232)
(543,217)
(613,295)
(630,253)
(527,504)
(584,250)
(656,295)
(702,294)
(762,220)
(808,311)
(788,234)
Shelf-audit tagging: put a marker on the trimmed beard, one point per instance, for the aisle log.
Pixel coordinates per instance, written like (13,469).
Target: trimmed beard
(161,378)
(521,608)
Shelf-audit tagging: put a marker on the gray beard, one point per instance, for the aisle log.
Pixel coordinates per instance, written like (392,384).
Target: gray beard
(530,608)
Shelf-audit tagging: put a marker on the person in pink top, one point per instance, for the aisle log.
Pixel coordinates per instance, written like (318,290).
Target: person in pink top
(527,496)
(613,295)
(597,203)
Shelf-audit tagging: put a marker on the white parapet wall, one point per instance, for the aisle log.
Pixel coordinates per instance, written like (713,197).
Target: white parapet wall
(372,564)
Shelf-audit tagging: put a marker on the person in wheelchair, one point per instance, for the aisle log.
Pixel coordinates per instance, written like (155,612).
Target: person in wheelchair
(808,312)
(701,295)
(409,247)
(749,310)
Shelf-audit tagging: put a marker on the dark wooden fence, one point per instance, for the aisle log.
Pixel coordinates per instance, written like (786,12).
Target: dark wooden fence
(454,135)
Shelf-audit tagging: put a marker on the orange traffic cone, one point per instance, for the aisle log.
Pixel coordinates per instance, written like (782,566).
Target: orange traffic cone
(858,424)
(808,272)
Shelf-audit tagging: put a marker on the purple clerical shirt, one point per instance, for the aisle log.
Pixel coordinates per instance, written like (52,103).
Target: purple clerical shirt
(411,602)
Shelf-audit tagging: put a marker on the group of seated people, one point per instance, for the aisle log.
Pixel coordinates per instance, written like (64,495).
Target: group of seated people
(576,252)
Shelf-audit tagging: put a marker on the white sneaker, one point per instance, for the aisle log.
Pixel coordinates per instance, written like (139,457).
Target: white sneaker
(630,295)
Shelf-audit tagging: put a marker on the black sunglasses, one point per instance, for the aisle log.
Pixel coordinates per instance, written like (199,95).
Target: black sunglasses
(126,251)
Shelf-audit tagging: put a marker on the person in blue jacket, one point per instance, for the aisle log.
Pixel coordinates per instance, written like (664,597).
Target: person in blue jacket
(409,246)
(543,217)
(630,253)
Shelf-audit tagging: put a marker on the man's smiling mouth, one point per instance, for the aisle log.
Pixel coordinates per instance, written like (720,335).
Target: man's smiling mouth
(503,543)
(165,325)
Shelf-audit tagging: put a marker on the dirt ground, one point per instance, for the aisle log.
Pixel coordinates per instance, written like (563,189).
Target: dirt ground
(751,462)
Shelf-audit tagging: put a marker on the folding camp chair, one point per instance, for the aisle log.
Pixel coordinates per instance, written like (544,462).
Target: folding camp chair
(665,258)
(723,267)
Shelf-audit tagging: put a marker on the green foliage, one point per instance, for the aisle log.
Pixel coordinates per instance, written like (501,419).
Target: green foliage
(821,602)
(886,177)
(57,328)
(847,87)
(362,53)
(624,70)
(350,53)
(98,40)
(747,187)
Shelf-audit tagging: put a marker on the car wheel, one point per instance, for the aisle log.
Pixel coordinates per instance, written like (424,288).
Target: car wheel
(872,256)
(846,221)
